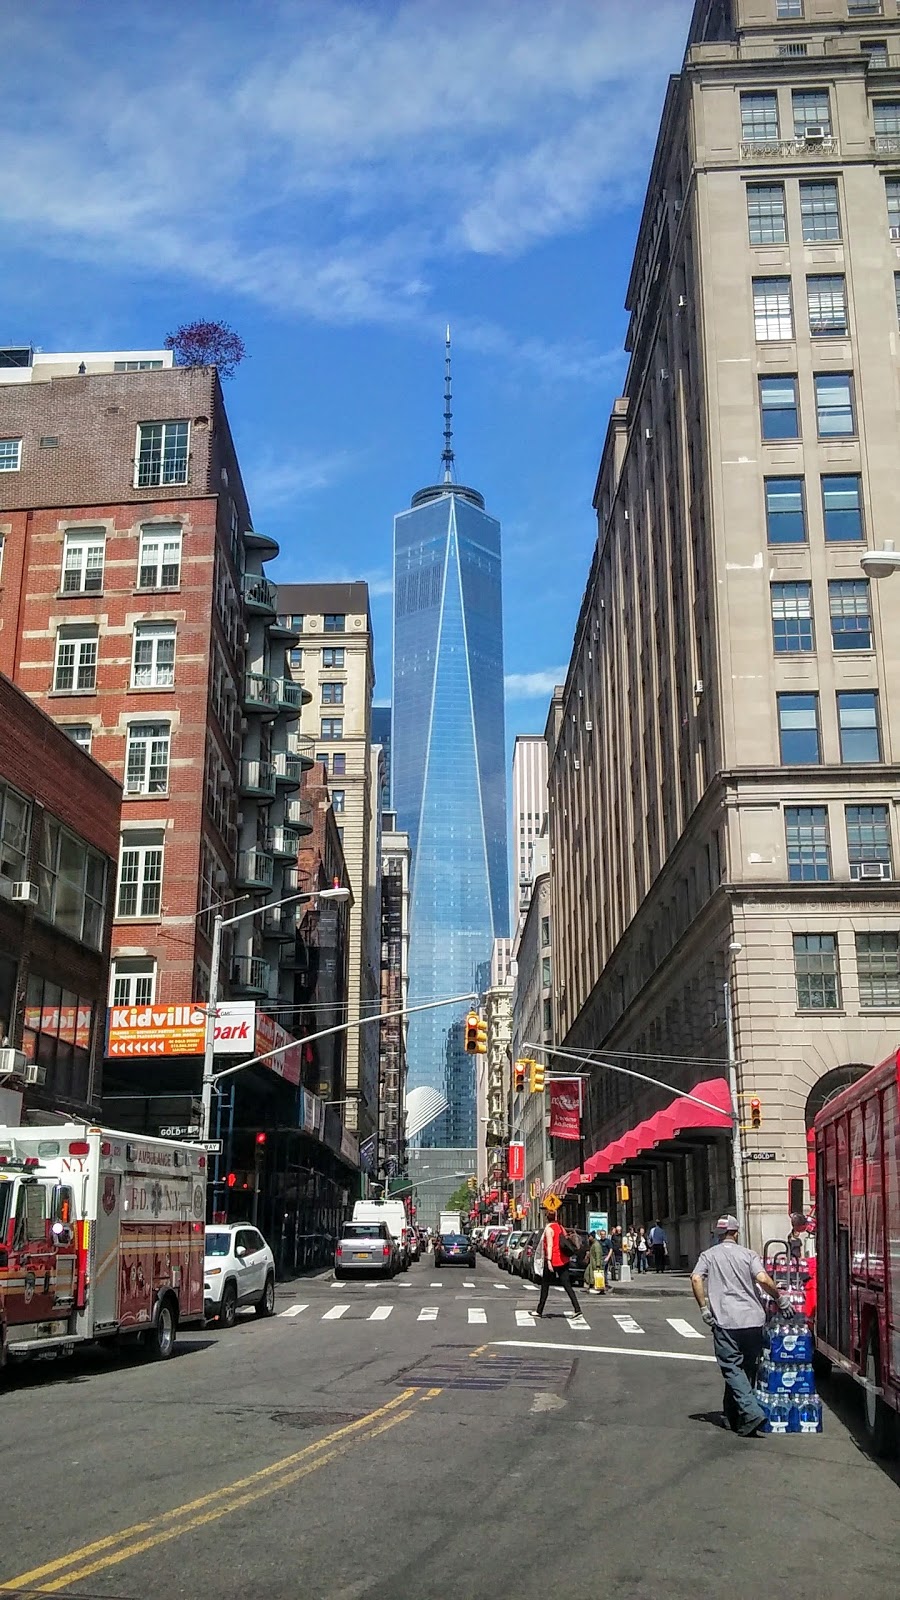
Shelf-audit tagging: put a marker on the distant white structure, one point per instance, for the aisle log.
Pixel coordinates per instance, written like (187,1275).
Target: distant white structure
(423,1106)
(529,809)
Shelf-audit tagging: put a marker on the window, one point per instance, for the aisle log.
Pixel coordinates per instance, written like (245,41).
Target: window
(842,508)
(816,971)
(826,298)
(878,968)
(338,796)
(792,623)
(834,405)
(811,110)
(798,728)
(819,213)
(332,728)
(159,562)
(10,455)
(83,563)
(858,728)
(765,213)
(153,665)
(332,694)
(545,932)
(140,875)
(71,884)
(772,316)
(892,196)
(147,758)
(15,832)
(864,8)
(80,733)
(876,50)
(295,657)
(851,622)
(75,670)
(789,8)
(133,983)
(785,511)
(136,366)
(869,841)
(886,115)
(162,455)
(806,841)
(779,412)
(759,117)
(333,656)
(334,622)
(338,763)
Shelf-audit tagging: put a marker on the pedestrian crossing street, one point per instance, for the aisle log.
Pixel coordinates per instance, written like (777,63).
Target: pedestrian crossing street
(496,1313)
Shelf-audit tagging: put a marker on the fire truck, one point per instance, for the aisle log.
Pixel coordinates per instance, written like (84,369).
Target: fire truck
(101,1238)
(857,1193)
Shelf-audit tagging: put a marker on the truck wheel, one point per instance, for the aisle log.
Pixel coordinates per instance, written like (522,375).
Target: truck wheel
(877,1417)
(228,1306)
(266,1306)
(161,1338)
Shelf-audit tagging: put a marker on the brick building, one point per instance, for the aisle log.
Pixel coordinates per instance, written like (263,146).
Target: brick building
(59,840)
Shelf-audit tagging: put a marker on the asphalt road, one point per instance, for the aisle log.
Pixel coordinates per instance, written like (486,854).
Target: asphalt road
(425,1439)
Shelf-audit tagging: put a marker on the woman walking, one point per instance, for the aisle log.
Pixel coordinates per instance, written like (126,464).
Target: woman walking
(551,1263)
(642,1250)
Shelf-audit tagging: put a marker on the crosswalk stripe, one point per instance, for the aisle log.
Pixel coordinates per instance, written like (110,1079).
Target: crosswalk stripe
(437,1285)
(578,1322)
(293,1311)
(684,1328)
(380,1314)
(525,1319)
(501,1285)
(428,1314)
(477,1314)
(628,1324)
(335,1312)
(468,1283)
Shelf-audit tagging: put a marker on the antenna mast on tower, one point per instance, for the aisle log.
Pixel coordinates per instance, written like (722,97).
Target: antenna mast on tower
(447,456)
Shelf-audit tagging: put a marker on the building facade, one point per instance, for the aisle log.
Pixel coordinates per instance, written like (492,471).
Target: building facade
(394,990)
(532,1023)
(448,777)
(529,813)
(381,734)
(333,660)
(723,811)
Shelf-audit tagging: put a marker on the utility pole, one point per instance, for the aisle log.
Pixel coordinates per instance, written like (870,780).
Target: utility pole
(737,1149)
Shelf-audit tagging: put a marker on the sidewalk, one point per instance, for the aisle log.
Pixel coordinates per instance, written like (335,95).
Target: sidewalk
(674,1283)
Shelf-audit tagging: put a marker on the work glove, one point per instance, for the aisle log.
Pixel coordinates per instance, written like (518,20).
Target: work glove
(785,1307)
(707,1316)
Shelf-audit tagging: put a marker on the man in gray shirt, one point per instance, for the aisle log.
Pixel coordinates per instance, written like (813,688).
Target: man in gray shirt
(726,1282)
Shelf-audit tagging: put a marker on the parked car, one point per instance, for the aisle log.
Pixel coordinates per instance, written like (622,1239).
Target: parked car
(454,1249)
(514,1251)
(526,1259)
(498,1242)
(509,1242)
(412,1244)
(238,1270)
(366,1247)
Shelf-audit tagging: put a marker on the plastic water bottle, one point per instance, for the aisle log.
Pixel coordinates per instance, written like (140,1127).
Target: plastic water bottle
(809,1414)
(788,1379)
(779,1414)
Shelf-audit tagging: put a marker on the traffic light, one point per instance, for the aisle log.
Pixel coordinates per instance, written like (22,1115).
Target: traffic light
(755,1113)
(471,1037)
(260,1141)
(519,1076)
(473,1184)
(481,1037)
(231,1179)
(536,1072)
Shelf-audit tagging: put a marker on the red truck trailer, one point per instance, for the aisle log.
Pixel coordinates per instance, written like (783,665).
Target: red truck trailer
(857,1140)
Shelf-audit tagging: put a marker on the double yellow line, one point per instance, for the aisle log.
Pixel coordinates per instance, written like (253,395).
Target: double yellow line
(143,1536)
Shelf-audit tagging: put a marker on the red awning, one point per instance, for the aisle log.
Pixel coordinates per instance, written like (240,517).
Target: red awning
(682,1115)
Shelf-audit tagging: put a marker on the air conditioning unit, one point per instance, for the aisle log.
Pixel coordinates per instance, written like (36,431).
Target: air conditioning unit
(589,727)
(25,892)
(577,764)
(34,1073)
(648,434)
(663,374)
(12,1063)
(815,133)
(682,302)
(698,688)
(875,869)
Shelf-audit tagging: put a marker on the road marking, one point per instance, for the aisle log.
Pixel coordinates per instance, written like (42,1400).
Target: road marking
(532,1286)
(118,1547)
(501,1285)
(468,1283)
(604,1349)
(335,1312)
(577,1321)
(525,1319)
(428,1314)
(628,1324)
(686,1329)
(404,1286)
(438,1285)
(477,1314)
(380,1314)
(293,1311)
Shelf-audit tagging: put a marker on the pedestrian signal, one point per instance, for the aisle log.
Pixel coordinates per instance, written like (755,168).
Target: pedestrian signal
(623,1193)
(471,1033)
(755,1113)
(536,1071)
(231,1179)
(519,1076)
(481,1037)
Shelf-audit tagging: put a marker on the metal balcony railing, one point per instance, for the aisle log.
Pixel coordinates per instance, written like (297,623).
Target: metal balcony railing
(288,768)
(250,974)
(257,777)
(261,693)
(255,870)
(283,842)
(279,922)
(886,144)
(290,694)
(299,815)
(259,594)
(788,149)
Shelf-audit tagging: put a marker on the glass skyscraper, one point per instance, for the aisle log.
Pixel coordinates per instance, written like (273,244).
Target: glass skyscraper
(449,770)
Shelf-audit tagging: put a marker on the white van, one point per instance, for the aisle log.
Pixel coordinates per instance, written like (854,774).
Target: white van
(393,1212)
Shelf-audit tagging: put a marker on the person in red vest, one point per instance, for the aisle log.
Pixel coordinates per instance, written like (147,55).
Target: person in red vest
(551,1263)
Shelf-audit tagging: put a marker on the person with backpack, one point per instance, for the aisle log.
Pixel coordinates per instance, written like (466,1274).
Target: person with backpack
(551,1263)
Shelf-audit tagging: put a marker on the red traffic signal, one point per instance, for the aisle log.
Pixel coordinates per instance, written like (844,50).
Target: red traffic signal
(260,1138)
(755,1112)
(231,1179)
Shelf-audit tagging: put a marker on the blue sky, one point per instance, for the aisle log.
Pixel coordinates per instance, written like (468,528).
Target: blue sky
(338,179)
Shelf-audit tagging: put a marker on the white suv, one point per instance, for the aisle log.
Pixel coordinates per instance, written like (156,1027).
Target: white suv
(239,1271)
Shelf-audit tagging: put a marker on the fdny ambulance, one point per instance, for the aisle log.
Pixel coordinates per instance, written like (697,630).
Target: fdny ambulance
(101,1237)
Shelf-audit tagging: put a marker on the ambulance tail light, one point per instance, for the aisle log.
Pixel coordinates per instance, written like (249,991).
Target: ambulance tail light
(79,1147)
(106,1148)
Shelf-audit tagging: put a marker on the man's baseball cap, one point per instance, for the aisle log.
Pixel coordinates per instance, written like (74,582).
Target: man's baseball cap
(727,1225)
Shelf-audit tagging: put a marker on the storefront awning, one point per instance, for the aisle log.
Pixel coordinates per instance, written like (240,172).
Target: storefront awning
(683,1116)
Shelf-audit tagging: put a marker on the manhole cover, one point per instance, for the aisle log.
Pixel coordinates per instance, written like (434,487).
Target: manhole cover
(316,1419)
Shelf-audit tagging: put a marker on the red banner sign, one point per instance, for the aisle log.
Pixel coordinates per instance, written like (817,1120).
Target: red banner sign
(516,1165)
(565,1108)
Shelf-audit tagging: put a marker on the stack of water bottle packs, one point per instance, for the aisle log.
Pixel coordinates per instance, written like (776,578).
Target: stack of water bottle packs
(785,1383)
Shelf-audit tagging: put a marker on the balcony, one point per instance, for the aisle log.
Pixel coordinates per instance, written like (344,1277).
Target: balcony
(789,149)
(261,693)
(250,975)
(288,769)
(294,957)
(257,779)
(283,842)
(261,541)
(255,870)
(299,814)
(280,922)
(260,596)
(886,144)
(291,696)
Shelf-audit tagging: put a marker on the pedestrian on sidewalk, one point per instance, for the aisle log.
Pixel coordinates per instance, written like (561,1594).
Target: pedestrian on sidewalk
(659,1244)
(551,1263)
(596,1271)
(642,1251)
(616,1255)
(630,1247)
(726,1282)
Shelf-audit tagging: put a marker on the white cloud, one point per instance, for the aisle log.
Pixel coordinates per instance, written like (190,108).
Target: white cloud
(275,481)
(533,685)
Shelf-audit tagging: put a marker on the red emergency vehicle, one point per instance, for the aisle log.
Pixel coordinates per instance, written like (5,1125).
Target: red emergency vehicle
(857,1140)
(101,1237)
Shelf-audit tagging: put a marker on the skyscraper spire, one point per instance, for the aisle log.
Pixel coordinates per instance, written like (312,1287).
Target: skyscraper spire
(447,457)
